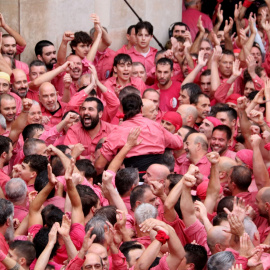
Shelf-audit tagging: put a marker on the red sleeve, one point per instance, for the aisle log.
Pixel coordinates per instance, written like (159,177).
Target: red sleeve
(222,91)
(71,137)
(172,141)
(112,105)
(75,264)
(77,99)
(77,234)
(118,262)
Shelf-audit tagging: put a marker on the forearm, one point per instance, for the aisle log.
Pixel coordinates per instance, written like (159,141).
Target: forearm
(217,26)
(173,197)
(70,247)
(189,59)
(245,126)
(228,43)
(61,125)
(62,52)
(207,224)
(4,66)
(66,95)
(187,207)
(148,256)
(18,126)
(44,257)
(267,110)
(92,52)
(192,75)
(215,80)
(259,169)
(19,39)
(195,47)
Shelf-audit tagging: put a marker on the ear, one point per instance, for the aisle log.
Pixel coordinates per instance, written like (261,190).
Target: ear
(267,207)
(222,175)
(137,204)
(93,210)
(115,69)
(218,247)
(190,266)
(39,58)
(128,37)
(4,155)
(234,122)
(234,185)
(33,174)
(100,114)
(262,109)
(229,142)
(22,261)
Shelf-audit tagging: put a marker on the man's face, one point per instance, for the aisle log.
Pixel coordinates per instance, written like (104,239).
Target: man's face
(8,109)
(48,98)
(25,172)
(4,86)
(220,37)
(41,149)
(219,142)
(92,261)
(132,40)
(82,49)
(134,256)
(36,71)
(20,85)
(203,107)
(206,128)
(205,83)
(163,74)
(179,31)
(259,16)
(190,147)
(184,97)
(149,197)
(34,115)
(152,96)
(185,68)
(256,53)
(150,175)
(89,115)
(150,112)
(9,154)
(123,70)
(76,71)
(102,253)
(13,255)
(225,65)
(143,39)
(48,56)
(249,87)
(9,234)
(205,46)
(168,125)
(139,71)
(261,205)
(9,46)
(224,118)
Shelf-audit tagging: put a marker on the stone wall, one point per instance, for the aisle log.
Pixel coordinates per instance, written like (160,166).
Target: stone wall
(49,19)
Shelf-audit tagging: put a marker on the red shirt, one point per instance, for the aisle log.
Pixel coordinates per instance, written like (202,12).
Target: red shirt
(104,63)
(4,247)
(18,101)
(191,16)
(23,66)
(148,61)
(33,94)
(155,138)
(4,178)
(168,97)
(138,83)
(20,212)
(77,134)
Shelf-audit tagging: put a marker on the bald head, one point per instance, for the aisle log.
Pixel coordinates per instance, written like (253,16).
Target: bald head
(200,138)
(92,261)
(156,172)
(189,114)
(149,109)
(217,239)
(265,194)
(226,163)
(101,252)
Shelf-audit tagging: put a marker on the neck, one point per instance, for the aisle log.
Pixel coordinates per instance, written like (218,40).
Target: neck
(93,132)
(140,233)
(237,191)
(122,82)
(1,163)
(142,50)
(129,46)
(166,86)
(9,126)
(197,158)
(31,182)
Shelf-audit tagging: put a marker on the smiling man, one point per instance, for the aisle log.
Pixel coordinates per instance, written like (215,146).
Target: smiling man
(91,129)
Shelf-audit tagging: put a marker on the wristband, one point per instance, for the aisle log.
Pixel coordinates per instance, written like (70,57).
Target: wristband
(2,256)
(247,4)
(162,237)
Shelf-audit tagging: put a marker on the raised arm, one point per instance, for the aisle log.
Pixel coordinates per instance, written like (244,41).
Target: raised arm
(214,183)
(62,51)
(77,212)
(19,39)
(227,34)
(34,208)
(195,48)
(215,80)
(219,19)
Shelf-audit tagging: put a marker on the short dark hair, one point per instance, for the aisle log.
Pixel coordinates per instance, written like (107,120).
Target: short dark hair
(108,212)
(207,72)
(222,216)
(197,255)
(130,29)
(126,247)
(165,61)
(39,46)
(36,163)
(30,144)
(144,25)
(41,181)
(194,99)
(128,90)
(168,159)
(80,37)
(29,130)
(191,88)
(125,179)
(231,112)
(4,144)
(51,214)
(242,177)
(121,58)
(37,63)
(88,198)
(225,202)
(86,166)
(25,249)
(174,178)
(150,90)
(100,106)
(228,52)
(137,194)
(225,129)
(41,240)
(132,105)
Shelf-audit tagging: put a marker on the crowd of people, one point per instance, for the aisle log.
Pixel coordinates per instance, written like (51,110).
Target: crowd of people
(139,158)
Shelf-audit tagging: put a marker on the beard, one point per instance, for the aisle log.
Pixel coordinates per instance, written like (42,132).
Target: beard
(17,92)
(49,65)
(9,235)
(94,122)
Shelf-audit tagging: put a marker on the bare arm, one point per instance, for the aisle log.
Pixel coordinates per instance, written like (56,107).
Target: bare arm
(215,80)
(197,42)
(62,51)
(219,19)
